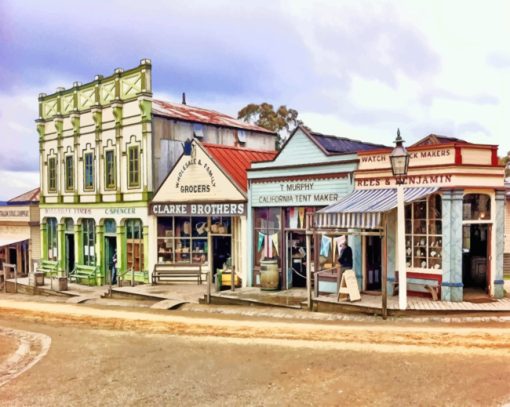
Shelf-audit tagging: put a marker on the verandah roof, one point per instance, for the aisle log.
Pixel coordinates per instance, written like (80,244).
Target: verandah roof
(363,209)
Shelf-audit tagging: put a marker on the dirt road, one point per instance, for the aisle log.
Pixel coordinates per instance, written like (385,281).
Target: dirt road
(133,357)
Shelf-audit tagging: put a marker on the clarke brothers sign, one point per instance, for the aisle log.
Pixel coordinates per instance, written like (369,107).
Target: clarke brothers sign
(199,209)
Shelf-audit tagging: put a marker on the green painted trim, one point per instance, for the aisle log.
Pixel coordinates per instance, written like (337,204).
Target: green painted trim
(134,185)
(113,186)
(100,263)
(121,248)
(61,248)
(91,187)
(78,244)
(44,241)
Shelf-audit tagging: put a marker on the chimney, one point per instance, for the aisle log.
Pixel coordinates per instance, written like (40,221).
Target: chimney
(183,98)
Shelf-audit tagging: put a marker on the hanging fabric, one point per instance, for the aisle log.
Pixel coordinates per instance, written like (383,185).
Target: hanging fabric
(293,218)
(260,242)
(274,239)
(268,247)
(301,212)
(325,245)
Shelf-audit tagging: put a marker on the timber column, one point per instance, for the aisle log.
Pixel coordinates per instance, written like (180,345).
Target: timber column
(499,247)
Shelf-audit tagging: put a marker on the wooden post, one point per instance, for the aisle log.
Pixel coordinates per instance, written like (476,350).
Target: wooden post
(209,278)
(309,269)
(384,268)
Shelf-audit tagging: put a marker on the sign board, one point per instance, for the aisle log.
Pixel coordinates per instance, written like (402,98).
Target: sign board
(320,192)
(199,209)
(349,289)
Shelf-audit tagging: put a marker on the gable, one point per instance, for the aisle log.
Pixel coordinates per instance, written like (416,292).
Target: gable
(197,179)
(299,149)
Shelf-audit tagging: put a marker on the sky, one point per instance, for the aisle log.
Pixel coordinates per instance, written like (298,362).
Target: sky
(358,69)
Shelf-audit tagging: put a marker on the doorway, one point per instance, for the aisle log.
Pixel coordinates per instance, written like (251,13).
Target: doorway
(296,260)
(476,239)
(373,263)
(222,249)
(69,253)
(110,249)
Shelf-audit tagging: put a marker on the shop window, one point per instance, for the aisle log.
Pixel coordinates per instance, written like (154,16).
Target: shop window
(109,169)
(134,242)
(88,181)
(184,239)
(476,207)
(110,227)
(133,167)
(69,173)
(267,234)
(424,239)
(89,242)
(51,236)
(52,174)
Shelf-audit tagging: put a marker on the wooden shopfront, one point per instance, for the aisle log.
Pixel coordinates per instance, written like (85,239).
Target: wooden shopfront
(310,172)
(199,212)
(454,216)
(20,233)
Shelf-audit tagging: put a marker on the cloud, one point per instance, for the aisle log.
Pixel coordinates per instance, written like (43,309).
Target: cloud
(17,184)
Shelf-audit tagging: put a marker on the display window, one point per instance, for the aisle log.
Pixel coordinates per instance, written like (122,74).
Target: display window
(89,242)
(51,236)
(184,239)
(134,242)
(424,238)
(296,216)
(267,234)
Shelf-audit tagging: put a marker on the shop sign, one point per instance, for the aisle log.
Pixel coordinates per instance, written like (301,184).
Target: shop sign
(93,212)
(13,213)
(416,158)
(300,193)
(199,209)
(409,180)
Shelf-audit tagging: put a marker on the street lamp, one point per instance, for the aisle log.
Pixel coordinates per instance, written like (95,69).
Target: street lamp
(399,159)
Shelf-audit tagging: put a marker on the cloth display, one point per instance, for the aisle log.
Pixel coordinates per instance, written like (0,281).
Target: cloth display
(301,212)
(325,246)
(260,242)
(274,239)
(293,218)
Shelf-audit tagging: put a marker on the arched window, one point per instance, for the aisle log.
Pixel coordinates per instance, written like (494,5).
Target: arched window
(424,233)
(51,238)
(134,242)
(476,207)
(89,242)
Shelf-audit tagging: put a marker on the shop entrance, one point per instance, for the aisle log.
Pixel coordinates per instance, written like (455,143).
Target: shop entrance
(110,249)
(373,263)
(476,253)
(296,260)
(222,249)
(69,252)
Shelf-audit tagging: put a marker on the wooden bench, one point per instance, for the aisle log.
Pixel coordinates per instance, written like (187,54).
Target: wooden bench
(421,283)
(49,268)
(82,272)
(177,272)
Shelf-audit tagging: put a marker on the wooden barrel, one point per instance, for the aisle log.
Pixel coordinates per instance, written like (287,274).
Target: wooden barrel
(269,275)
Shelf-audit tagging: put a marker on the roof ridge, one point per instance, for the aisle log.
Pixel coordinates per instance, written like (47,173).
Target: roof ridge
(238,148)
(33,193)
(194,107)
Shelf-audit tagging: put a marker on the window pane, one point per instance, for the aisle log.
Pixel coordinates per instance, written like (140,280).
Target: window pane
(476,207)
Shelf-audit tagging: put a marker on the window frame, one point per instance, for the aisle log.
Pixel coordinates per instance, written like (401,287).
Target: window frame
(69,174)
(86,186)
(133,168)
(113,185)
(51,239)
(88,237)
(52,174)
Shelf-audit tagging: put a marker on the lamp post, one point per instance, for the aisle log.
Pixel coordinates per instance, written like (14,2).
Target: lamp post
(399,159)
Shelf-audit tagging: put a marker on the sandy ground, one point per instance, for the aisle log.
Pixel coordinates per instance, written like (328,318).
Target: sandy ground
(142,357)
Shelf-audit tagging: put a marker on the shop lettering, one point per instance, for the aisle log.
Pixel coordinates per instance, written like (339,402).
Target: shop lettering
(302,186)
(412,155)
(67,211)
(119,211)
(298,198)
(198,162)
(195,189)
(13,214)
(205,209)
(410,180)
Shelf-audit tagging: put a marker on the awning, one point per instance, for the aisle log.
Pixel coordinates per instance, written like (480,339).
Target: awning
(363,209)
(6,240)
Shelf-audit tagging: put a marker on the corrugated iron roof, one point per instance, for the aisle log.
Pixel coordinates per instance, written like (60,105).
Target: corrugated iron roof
(31,196)
(236,160)
(343,145)
(200,115)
